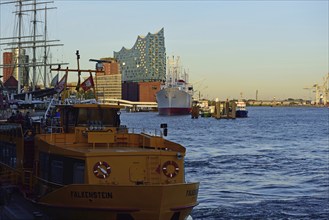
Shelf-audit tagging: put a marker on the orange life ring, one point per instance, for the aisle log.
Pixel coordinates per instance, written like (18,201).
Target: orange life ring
(170,169)
(102,169)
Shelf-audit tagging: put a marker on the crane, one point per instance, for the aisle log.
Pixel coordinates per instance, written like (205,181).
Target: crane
(321,91)
(99,63)
(310,89)
(325,89)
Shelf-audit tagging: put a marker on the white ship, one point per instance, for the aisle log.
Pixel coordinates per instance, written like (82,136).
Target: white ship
(175,96)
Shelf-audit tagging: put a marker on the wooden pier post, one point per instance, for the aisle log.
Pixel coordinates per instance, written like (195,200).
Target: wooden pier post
(225,110)
(217,114)
(233,107)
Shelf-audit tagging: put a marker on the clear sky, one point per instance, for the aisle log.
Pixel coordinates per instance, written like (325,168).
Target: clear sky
(229,47)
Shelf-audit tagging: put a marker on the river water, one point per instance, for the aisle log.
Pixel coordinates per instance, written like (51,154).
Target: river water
(272,165)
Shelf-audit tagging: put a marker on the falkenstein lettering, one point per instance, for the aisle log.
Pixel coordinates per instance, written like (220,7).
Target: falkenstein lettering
(192,192)
(91,195)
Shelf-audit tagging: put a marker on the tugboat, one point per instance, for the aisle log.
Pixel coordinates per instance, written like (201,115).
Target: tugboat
(89,166)
(241,111)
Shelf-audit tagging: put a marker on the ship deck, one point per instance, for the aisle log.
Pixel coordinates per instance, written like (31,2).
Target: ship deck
(88,148)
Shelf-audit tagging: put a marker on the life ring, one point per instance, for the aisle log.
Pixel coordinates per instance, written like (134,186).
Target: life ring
(102,169)
(170,169)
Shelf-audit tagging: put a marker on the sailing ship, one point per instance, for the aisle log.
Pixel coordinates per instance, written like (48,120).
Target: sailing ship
(28,53)
(25,63)
(90,166)
(175,95)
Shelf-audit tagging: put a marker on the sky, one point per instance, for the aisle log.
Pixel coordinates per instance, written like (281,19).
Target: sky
(277,48)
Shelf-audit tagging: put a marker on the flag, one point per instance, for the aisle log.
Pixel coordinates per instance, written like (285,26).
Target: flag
(61,84)
(88,83)
(54,81)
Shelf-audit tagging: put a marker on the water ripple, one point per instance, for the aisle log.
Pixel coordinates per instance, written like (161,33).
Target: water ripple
(271,165)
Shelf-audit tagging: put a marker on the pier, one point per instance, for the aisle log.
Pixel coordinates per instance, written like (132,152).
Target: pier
(225,110)
(133,106)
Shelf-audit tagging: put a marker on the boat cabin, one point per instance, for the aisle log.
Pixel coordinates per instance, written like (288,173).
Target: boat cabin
(94,117)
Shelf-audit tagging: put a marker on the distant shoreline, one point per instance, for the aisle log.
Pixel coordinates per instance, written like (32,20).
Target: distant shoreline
(291,105)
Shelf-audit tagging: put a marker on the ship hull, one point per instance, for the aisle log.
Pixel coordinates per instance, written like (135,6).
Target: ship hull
(172,101)
(241,113)
(173,201)
(174,111)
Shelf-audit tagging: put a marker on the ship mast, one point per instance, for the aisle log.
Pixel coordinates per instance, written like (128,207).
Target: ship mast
(35,42)
(45,50)
(34,59)
(19,46)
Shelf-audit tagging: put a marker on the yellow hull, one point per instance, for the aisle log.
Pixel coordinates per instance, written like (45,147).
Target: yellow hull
(173,201)
(96,169)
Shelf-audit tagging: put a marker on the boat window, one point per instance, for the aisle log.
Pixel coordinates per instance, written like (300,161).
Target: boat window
(78,172)
(72,118)
(68,117)
(8,153)
(60,169)
(108,117)
(12,156)
(82,117)
(44,165)
(57,171)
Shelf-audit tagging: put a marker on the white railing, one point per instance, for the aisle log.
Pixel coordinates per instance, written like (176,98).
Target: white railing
(152,132)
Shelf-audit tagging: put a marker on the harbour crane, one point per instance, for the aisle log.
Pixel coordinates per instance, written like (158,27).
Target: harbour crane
(310,89)
(325,89)
(315,89)
(321,91)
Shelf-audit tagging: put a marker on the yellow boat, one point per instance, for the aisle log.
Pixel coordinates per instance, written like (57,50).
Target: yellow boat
(92,167)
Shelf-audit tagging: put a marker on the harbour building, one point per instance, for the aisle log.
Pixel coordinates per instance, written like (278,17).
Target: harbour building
(145,61)
(10,68)
(108,84)
(143,67)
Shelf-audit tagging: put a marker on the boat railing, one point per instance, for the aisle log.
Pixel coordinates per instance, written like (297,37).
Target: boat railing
(49,107)
(55,129)
(27,179)
(47,186)
(9,176)
(5,114)
(11,129)
(56,134)
(153,132)
(50,183)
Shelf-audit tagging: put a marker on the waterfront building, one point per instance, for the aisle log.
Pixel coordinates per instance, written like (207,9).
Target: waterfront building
(140,91)
(145,61)
(130,91)
(8,69)
(11,85)
(148,90)
(108,84)
(10,61)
